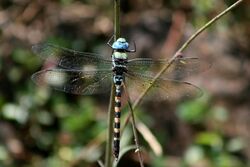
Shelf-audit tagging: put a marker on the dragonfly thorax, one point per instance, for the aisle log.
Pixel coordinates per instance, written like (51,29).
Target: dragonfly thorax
(120,55)
(120,61)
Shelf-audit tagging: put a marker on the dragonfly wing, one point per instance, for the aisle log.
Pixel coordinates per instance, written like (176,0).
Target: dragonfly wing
(71,59)
(161,89)
(74,82)
(180,68)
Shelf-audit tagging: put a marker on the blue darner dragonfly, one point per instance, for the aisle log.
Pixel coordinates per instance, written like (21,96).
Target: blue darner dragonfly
(88,73)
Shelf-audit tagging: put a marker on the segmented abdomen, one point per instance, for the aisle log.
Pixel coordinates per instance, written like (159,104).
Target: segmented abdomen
(116,146)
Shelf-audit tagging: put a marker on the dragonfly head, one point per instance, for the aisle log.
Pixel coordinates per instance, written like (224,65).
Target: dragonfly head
(120,44)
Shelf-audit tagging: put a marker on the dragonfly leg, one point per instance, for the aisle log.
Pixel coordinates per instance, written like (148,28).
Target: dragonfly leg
(108,43)
(132,50)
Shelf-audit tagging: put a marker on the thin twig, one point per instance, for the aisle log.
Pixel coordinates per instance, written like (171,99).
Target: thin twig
(108,153)
(208,24)
(138,150)
(117,25)
(100,163)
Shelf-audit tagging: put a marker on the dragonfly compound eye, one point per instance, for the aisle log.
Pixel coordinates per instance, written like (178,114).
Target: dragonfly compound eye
(120,43)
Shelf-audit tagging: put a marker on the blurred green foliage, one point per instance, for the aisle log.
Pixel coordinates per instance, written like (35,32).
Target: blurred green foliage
(194,111)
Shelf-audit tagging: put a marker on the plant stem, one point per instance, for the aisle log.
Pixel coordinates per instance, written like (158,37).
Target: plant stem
(100,163)
(117,25)
(110,129)
(108,153)
(207,25)
(138,150)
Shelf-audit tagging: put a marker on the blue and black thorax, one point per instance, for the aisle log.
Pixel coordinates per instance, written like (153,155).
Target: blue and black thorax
(119,57)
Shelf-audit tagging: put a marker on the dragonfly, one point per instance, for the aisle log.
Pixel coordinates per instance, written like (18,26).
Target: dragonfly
(85,73)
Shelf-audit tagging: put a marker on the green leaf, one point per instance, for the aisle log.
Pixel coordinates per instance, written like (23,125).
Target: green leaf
(193,155)
(82,119)
(26,58)
(211,139)
(122,153)
(194,111)
(159,161)
(236,144)
(227,160)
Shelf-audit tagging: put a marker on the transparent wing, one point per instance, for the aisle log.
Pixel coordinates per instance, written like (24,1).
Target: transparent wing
(161,89)
(71,59)
(74,82)
(179,69)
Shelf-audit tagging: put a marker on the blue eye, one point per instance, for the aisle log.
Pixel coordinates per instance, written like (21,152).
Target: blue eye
(120,44)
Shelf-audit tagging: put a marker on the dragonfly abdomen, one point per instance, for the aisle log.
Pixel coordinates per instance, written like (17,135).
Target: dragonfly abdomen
(116,147)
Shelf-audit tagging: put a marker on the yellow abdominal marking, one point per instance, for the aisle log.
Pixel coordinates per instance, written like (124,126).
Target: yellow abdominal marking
(115,138)
(117,109)
(117,120)
(117,98)
(116,130)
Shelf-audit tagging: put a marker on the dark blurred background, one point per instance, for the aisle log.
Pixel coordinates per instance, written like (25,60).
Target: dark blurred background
(43,127)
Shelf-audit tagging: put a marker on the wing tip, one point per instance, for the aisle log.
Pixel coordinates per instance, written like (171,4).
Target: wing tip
(37,48)
(197,93)
(35,77)
(38,77)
